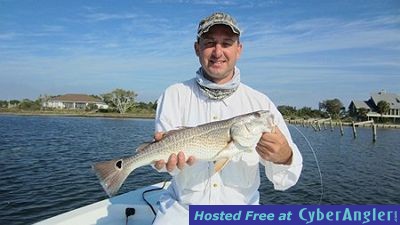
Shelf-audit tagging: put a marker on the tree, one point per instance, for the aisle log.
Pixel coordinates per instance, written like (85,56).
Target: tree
(287,111)
(27,104)
(121,99)
(383,107)
(362,113)
(307,112)
(333,107)
(91,107)
(3,104)
(13,103)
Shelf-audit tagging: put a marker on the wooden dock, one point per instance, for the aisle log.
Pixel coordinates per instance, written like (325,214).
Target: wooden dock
(321,124)
(307,123)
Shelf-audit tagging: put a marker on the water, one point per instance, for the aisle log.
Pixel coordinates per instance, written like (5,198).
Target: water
(45,165)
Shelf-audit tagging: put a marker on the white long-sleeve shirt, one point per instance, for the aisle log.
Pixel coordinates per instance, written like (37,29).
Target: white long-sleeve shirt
(184,105)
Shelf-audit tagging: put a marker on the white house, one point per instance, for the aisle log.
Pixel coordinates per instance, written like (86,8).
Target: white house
(74,101)
(371,105)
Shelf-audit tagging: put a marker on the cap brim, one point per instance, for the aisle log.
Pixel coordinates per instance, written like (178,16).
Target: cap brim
(207,28)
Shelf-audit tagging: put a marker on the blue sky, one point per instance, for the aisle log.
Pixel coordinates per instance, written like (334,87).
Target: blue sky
(296,52)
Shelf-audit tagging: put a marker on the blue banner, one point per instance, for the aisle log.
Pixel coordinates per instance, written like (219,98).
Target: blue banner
(293,214)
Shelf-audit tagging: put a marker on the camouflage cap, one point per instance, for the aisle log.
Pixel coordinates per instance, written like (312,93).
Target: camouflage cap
(217,18)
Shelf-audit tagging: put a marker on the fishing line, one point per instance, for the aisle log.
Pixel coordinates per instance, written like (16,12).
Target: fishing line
(316,161)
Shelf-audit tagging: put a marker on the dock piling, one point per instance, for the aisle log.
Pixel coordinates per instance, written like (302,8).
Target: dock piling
(341,128)
(373,132)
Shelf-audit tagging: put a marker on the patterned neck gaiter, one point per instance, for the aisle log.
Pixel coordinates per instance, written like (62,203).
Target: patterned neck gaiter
(217,91)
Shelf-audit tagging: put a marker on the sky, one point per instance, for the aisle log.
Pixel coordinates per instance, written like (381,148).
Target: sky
(298,53)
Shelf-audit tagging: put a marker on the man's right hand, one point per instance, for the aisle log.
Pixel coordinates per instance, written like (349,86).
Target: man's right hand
(174,160)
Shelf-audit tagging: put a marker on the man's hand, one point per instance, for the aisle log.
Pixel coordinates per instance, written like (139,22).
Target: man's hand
(274,147)
(173,160)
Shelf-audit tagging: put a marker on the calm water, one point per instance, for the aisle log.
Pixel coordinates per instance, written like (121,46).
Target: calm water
(45,165)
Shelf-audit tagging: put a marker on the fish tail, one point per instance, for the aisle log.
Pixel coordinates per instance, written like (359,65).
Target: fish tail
(112,175)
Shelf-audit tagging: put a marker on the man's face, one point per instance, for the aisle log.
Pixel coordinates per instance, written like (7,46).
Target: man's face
(218,50)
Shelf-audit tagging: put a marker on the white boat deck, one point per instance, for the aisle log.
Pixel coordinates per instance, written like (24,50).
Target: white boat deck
(112,211)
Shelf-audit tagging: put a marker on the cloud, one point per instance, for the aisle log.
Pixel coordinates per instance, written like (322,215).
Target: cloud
(94,74)
(53,28)
(323,34)
(8,35)
(197,2)
(321,55)
(96,17)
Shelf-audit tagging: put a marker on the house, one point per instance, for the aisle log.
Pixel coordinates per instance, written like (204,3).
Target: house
(74,101)
(356,106)
(370,106)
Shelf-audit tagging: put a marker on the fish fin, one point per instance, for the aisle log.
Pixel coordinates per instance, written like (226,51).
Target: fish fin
(141,147)
(111,175)
(182,128)
(220,164)
(170,132)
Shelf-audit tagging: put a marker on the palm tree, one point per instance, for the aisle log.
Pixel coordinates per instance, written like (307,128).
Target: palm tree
(383,108)
(362,113)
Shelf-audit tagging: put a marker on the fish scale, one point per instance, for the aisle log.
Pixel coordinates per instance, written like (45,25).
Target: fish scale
(215,141)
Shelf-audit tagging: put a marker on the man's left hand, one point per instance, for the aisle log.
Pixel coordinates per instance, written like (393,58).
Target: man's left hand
(274,147)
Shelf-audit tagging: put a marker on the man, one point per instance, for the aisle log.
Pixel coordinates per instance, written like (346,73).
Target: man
(216,93)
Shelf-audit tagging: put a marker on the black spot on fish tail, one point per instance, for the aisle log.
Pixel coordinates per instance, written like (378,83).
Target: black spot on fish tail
(119,164)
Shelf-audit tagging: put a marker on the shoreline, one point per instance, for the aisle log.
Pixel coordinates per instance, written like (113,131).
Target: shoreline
(81,114)
(305,123)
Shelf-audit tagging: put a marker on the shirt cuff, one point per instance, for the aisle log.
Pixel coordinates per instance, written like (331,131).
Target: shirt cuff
(285,176)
